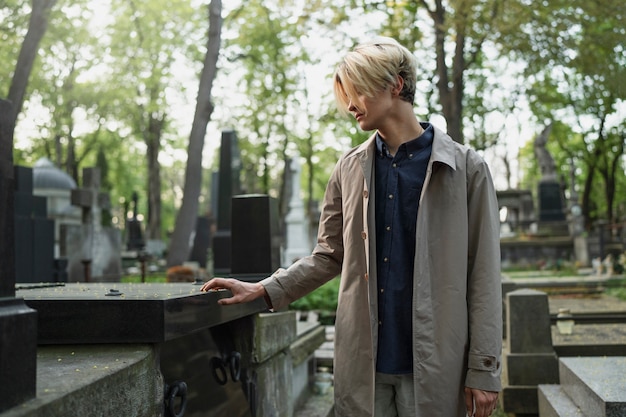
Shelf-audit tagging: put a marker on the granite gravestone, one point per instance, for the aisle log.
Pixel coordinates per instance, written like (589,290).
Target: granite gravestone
(202,240)
(228,185)
(551,202)
(134,237)
(18,323)
(256,236)
(34,232)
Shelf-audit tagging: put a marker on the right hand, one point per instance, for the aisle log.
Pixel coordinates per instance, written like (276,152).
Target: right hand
(242,291)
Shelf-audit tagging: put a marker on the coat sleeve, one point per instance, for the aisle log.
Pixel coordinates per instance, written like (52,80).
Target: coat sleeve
(310,272)
(484,292)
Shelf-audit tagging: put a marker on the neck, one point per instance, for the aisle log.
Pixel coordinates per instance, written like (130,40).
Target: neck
(396,134)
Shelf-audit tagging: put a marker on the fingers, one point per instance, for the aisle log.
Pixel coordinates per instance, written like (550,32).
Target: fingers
(241,291)
(480,403)
(216,284)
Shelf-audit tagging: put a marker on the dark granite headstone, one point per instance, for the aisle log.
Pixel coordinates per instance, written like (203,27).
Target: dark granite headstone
(228,184)
(551,207)
(134,238)
(255,236)
(34,232)
(18,323)
(201,241)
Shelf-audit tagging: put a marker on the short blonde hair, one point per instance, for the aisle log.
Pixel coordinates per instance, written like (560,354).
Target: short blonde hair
(372,67)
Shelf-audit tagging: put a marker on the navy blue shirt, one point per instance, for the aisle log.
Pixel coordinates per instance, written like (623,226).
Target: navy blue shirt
(399,182)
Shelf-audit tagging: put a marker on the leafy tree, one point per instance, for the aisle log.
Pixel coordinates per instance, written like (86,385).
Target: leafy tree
(37,26)
(186,218)
(145,42)
(577,80)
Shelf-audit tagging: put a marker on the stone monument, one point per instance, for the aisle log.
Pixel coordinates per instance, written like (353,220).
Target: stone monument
(256,237)
(34,232)
(134,237)
(296,222)
(528,356)
(228,185)
(94,249)
(18,323)
(550,191)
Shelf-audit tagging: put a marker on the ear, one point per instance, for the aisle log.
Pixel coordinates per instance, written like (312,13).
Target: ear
(397,87)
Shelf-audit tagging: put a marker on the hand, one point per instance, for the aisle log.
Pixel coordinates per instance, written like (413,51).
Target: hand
(242,291)
(480,403)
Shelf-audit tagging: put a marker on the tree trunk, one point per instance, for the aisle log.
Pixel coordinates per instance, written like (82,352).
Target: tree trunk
(153,142)
(36,28)
(450,86)
(186,219)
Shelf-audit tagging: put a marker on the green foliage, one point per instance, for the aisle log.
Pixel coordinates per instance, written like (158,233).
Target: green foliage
(101,79)
(617,288)
(324,298)
(158,278)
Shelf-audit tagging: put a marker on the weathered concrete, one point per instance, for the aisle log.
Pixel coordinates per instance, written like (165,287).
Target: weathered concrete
(95,380)
(528,322)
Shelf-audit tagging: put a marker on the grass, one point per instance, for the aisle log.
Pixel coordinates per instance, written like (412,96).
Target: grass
(617,288)
(148,278)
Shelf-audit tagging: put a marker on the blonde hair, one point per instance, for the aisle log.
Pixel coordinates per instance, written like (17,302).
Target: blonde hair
(372,67)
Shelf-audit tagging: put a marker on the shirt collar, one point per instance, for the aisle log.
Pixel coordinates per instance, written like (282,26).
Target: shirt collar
(423,141)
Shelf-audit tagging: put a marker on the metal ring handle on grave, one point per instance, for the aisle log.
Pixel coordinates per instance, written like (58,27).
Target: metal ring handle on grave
(234,362)
(219,370)
(178,389)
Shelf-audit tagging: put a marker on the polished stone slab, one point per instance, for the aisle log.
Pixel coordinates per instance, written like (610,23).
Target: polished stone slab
(79,313)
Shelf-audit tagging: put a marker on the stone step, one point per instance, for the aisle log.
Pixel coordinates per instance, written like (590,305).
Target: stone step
(554,402)
(325,354)
(596,384)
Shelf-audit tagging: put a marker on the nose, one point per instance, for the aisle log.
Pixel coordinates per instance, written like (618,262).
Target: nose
(351,106)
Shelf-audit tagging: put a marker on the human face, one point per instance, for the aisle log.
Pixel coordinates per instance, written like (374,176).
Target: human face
(371,112)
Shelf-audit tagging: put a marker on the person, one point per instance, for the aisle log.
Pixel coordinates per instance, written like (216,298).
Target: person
(410,222)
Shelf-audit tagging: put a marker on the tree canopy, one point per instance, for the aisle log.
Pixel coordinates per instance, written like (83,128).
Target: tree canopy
(115,83)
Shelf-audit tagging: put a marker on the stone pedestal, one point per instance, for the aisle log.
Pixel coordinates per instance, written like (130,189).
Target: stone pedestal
(18,373)
(18,323)
(529,358)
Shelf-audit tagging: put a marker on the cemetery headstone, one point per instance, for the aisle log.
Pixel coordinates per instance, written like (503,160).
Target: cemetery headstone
(551,200)
(297,245)
(134,238)
(529,357)
(18,323)
(95,250)
(34,232)
(228,185)
(202,240)
(256,236)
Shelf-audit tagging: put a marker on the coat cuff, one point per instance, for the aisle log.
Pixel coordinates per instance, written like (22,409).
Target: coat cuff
(274,292)
(483,372)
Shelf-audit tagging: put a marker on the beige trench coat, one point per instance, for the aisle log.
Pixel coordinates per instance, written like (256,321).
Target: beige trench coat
(457,310)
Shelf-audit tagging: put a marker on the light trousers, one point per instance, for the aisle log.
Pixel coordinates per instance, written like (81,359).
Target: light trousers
(394,396)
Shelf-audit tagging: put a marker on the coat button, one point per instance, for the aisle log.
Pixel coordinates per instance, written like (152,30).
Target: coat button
(364,235)
(488,362)
(365,194)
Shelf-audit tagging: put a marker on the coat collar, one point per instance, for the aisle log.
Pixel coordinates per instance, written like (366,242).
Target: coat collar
(443,150)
